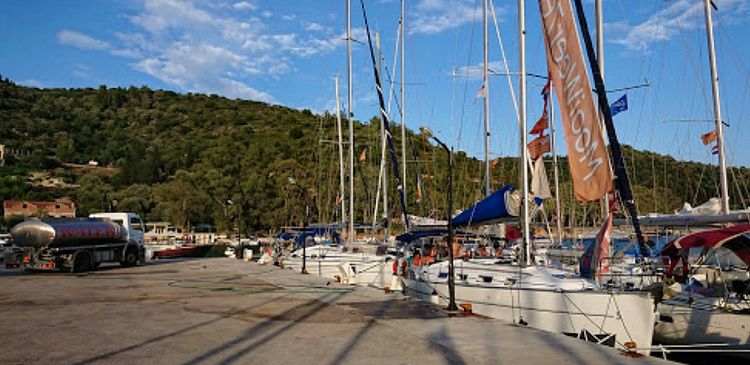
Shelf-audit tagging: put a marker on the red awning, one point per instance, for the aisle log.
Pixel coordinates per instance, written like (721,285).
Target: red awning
(735,239)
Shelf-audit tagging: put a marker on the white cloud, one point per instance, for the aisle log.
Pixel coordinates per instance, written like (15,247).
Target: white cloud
(435,16)
(244,5)
(80,40)
(33,83)
(313,27)
(669,21)
(198,47)
(203,68)
(82,71)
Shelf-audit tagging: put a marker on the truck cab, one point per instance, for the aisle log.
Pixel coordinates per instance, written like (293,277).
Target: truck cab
(130,221)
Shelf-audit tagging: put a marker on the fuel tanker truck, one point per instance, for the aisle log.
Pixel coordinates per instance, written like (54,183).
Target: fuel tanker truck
(79,244)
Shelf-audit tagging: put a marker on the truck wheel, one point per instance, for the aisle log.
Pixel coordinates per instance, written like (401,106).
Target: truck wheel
(131,257)
(82,262)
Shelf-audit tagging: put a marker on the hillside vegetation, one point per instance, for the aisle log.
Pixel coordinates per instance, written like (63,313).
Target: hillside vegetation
(195,158)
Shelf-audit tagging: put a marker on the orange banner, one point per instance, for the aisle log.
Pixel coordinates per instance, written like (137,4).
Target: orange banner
(587,151)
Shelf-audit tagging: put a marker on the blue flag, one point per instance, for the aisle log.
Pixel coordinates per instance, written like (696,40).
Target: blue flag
(620,105)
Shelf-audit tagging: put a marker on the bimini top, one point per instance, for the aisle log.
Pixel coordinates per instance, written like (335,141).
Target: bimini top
(500,206)
(735,239)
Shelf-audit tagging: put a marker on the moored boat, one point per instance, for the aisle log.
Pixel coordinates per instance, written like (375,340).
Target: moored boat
(183,251)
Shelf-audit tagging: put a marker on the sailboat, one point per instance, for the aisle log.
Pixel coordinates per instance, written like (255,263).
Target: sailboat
(709,304)
(536,296)
(355,262)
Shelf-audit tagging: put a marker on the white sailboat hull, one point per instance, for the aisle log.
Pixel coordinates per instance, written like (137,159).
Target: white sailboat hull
(699,323)
(615,318)
(348,268)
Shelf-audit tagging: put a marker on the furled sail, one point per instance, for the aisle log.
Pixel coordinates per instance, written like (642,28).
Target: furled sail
(502,205)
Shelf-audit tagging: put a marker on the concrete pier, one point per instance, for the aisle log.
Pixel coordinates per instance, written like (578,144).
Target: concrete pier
(226,311)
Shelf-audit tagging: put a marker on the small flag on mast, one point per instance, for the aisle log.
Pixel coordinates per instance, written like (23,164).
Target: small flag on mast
(715,149)
(539,146)
(620,105)
(482,92)
(543,122)
(709,137)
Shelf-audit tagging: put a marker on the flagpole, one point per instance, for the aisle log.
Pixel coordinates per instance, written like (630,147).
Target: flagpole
(717,109)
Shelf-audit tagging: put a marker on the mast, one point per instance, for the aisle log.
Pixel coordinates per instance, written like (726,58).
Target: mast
(622,181)
(524,148)
(383,180)
(403,100)
(604,202)
(486,86)
(350,114)
(386,123)
(558,209)
(341,152)
(717,109)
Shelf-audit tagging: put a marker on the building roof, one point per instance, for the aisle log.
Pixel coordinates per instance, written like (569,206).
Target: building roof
(18,204)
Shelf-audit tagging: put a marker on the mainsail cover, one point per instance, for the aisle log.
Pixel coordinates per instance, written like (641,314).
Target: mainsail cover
(587,152)
(500,206)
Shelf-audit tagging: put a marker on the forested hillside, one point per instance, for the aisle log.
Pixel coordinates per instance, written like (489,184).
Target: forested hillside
(194,158)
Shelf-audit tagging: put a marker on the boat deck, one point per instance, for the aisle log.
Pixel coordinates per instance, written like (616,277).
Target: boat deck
(224,311)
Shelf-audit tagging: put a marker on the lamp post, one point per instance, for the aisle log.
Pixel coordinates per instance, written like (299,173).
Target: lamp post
(293,182)
(451,273)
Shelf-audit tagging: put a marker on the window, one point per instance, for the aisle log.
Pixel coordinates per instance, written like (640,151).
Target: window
(136,224)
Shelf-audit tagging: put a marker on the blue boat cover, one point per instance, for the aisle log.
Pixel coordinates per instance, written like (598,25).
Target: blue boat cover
(491,209)
(284,236)
(407,237)
(312,232)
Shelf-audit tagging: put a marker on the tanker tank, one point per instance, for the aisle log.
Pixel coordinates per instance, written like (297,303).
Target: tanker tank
(57,233)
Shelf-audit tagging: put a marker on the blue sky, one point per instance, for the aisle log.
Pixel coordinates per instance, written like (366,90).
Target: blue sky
(287,51)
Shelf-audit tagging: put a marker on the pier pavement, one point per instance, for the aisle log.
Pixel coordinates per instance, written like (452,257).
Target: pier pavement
(227,311)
